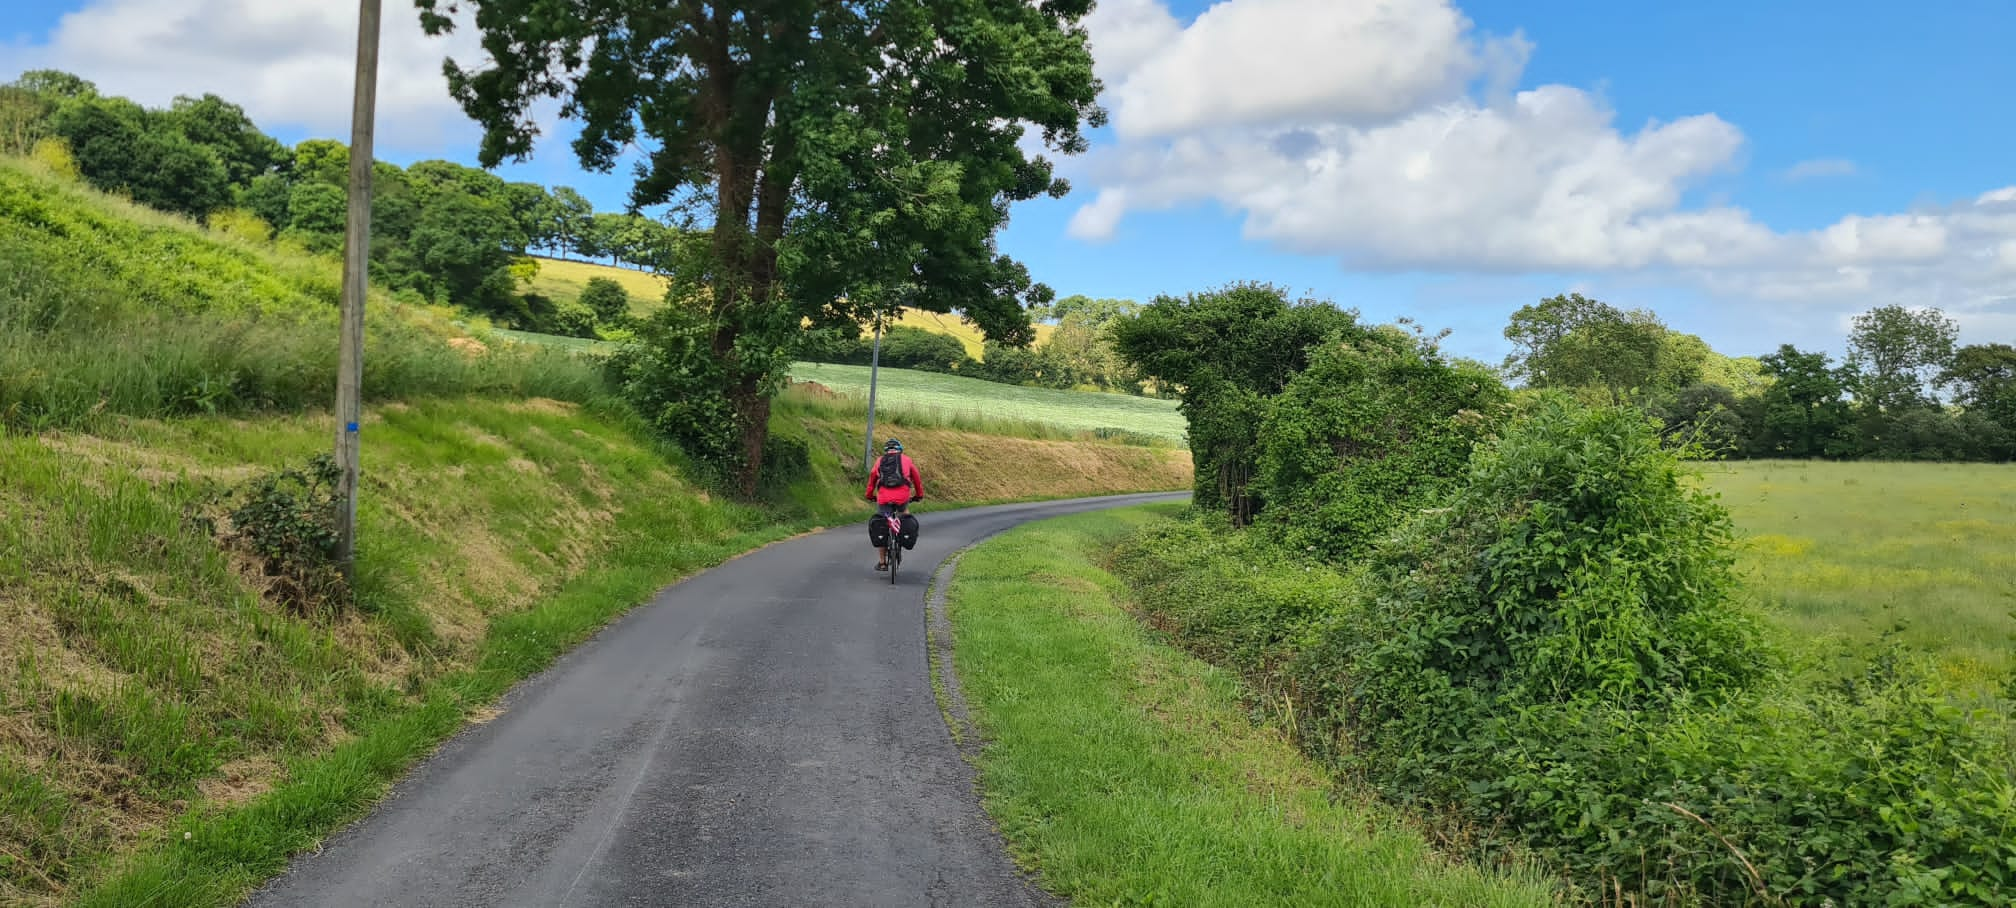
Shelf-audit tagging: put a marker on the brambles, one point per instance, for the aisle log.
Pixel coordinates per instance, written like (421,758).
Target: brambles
(1531,631)
(286,521)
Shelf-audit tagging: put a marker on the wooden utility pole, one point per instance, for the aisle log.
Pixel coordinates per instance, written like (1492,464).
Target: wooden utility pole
(874,367)
(356,282)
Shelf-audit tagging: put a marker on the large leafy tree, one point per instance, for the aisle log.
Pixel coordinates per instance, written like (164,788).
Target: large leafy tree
(121,147)
(1228,352)
(1985,377)
(573,218)
(227,131)
(1573,342)
(1805,414)
(56,84)
(1895,354)
(24,119)
(849,156)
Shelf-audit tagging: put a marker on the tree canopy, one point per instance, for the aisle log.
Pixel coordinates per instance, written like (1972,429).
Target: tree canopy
(847,159)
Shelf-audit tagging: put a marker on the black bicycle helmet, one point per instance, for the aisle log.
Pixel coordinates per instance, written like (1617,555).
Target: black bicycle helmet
(892,445)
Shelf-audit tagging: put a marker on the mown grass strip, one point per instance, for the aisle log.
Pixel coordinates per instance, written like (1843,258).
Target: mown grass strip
(1126,772)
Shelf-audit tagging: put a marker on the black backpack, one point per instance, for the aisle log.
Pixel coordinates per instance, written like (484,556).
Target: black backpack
(889,473)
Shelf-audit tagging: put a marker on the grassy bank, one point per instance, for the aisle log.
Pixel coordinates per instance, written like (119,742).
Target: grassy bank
(111,309)
(1861,555)
(1127,772)
(148,690)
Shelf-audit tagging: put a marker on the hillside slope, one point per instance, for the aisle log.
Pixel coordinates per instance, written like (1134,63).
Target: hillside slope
(109,308)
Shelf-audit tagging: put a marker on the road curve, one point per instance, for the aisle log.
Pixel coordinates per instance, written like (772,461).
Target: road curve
(763,733)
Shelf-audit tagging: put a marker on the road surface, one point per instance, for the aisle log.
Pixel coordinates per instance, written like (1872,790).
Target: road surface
(763,733)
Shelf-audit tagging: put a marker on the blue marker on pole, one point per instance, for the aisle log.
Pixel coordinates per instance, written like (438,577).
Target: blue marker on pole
(350,427)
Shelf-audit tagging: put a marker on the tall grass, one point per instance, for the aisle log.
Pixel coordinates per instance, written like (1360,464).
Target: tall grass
(109,309)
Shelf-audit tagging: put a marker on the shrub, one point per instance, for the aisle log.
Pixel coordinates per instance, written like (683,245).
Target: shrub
(1227,595)
(54,155)
(1574,567)
(671,376)
(572,320)
(1552,661)
(1371,428)
(240,224)
(607,299)
(287,521)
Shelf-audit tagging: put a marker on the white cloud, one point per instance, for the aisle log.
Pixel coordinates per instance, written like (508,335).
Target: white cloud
(1821,167)
(1266,61)
(1388,135)
(1543,182)
(288,62)
(1126,33)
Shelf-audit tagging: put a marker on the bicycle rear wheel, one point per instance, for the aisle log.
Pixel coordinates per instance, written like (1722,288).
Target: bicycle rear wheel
(895,549)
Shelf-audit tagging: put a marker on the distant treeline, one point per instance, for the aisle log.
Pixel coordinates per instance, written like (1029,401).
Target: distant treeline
(1906,390)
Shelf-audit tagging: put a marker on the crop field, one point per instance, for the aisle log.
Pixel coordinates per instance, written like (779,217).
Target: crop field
(563,280)
(951,394)
(1860,554)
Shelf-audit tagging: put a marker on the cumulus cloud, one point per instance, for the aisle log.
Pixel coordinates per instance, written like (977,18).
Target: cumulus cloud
(288,62)
(1390,135)
(1262,61)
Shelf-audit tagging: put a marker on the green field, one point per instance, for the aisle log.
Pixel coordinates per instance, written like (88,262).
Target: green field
(1853,555)
(1073,410)
(1126,772)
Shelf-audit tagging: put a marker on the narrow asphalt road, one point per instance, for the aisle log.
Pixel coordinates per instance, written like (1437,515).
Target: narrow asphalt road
(763,733)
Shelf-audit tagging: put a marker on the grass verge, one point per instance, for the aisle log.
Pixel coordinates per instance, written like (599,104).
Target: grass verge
(1127,773)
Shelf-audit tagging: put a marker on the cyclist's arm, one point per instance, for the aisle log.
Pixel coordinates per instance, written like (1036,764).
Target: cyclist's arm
(916,482)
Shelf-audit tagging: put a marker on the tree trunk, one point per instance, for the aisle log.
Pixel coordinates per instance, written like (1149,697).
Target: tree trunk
(752,407)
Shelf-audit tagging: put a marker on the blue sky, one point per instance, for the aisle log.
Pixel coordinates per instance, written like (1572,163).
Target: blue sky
(1893,113)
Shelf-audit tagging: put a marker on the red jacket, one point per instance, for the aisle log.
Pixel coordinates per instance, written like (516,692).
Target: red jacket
(900,494)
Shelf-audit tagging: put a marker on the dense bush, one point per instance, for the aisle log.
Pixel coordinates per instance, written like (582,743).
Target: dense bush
(903,347)
(606,299)
(672,376)
(1573,567)
(286,520)
(573,320)
(1371,429)
(1228,350)
(1554,660)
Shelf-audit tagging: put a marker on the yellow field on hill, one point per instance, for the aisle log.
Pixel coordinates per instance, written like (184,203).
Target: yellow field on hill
(960,328)
(563,281)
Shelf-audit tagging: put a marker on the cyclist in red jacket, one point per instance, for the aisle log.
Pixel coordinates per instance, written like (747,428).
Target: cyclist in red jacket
(894,483)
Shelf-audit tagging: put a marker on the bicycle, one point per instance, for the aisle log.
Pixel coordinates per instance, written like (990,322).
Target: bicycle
(893,547)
